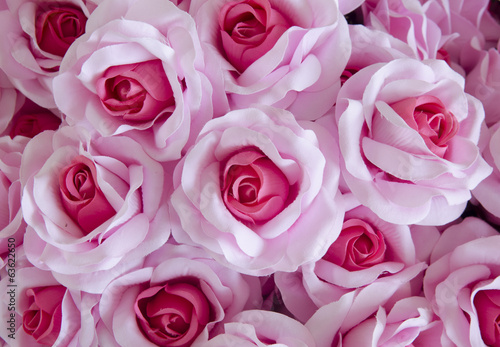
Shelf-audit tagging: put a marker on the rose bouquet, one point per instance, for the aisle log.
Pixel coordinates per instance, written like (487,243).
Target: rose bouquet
(317,173)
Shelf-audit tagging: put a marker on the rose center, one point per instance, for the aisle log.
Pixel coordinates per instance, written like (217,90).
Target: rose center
(57,27)
(253,188)
(174,325)
(247,192)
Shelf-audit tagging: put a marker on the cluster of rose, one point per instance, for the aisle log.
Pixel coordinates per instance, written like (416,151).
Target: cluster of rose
(220,173)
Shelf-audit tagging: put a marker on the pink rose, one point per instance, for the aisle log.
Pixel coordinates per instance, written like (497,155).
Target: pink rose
(42,319)
(254,188)
(483,192)
(57,26)
(358,246)
(409,139)
(408,22)
(259,191)
(172,314)
(179,298)
(483,82)
(140,70)
(31,120)
(469,25)
(131,91)
(81,196)
(262,328)
(249,29)
(95,201)
(12,225)
(399,326)
(45,312)
(463,283)
(37,34)
(370,258)
(277,54)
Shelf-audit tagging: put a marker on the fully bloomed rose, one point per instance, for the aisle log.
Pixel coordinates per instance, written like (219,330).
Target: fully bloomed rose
(286,55)
(409,139)
(370,259)
(96,202)
(463,284)
(140,71)
(259,191)
(180,297)
(45,312)
(36,36)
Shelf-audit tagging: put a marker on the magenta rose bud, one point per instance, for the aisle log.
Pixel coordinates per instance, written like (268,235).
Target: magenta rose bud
(136,92)
(30,125)
(254,189)
(173,314)
(487,304)
(427,115)
(42,319)
(81,196)
(359,246)
(58,26)
(249,29)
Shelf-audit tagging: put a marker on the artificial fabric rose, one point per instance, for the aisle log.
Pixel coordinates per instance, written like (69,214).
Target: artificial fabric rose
(483,82)
(409,138)
(469,25)
(262,328)
(483,192)
(254,188)
(140,71)
(42,319)
(259,191)
(463,283)
(31,120)
(370,257)
(406,21)
(57,26)
(285,55)
(408,322)
(95,201)
(36,35)
(81,196)
(178,298)
(248,30)
(45,312)
(12,225)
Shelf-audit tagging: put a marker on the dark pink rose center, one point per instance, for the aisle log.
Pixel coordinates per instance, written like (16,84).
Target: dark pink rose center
(431,119)
(487,303)
(81,196)
(348,72)
(173,314)
(253,188)
(358,246)
(30,125)
(57,26)
(42,319)
(136,92)
(249,28)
